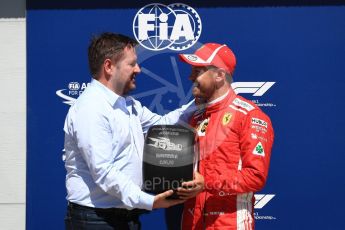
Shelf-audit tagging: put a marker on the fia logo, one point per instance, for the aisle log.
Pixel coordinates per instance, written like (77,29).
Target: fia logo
(175,27)
(75,89)
(73,86)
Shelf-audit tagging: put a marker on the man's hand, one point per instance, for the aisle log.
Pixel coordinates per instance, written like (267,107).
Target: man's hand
(161,201)
(191,188)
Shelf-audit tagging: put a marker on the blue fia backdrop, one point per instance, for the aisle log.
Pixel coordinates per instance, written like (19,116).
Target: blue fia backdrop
(301,49)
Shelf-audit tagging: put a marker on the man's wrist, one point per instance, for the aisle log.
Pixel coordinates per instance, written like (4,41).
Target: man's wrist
(146,201)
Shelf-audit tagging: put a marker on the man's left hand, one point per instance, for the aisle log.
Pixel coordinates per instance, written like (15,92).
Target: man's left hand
(192,188)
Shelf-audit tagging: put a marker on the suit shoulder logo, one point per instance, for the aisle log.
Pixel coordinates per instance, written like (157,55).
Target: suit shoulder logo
(259,150)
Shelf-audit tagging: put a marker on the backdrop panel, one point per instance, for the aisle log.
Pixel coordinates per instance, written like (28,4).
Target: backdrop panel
(295,53)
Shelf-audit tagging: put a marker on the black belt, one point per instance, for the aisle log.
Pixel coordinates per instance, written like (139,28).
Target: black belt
(121,212)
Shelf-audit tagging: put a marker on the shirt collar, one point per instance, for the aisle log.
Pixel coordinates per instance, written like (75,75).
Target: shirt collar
(220,102)
(218,99)
(109,95)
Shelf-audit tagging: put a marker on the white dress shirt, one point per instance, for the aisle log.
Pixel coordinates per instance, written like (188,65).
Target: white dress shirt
(104,141)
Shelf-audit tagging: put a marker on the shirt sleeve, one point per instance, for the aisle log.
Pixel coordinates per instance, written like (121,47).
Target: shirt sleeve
(178,116)
(256,139)
(94,138)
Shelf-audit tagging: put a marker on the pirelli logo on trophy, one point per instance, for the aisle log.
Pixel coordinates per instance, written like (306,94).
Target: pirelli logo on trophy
(168,157)
(165,143)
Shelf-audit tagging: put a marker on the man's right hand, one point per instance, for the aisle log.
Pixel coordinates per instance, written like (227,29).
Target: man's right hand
(160,200)
(191,188)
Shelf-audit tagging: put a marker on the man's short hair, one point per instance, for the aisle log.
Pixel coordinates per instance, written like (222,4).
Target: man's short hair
(228,78)
(107,46)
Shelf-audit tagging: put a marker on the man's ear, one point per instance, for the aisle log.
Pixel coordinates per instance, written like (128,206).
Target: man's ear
(221,76)
(108,67)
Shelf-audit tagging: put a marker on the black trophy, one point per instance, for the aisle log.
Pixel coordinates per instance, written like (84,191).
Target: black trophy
(168,158)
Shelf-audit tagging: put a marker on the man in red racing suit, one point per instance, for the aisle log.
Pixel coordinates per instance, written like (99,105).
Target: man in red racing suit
(234,140)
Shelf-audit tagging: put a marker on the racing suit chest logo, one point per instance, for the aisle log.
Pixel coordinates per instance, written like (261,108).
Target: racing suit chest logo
(201,129)
(226,118)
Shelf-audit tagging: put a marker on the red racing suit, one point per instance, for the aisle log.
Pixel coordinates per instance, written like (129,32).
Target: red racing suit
(234,141)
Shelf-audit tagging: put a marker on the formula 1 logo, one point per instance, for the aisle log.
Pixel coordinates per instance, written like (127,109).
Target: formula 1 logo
(262,199)
(255,88)
(165,144)
(176,26)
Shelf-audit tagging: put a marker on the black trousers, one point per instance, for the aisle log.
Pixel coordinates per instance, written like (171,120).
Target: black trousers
(86,218)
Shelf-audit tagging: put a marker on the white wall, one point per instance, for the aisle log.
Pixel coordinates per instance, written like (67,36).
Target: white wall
(12,123)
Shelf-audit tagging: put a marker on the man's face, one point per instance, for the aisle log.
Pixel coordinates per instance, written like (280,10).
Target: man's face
(126,70)
(204,85)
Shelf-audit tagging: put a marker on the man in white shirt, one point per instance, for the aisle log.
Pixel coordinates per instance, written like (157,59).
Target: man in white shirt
(104,139)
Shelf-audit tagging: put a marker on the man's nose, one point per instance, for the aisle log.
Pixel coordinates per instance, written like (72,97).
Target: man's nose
(137,68)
